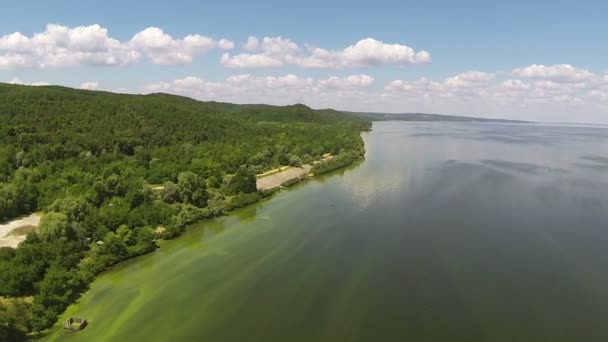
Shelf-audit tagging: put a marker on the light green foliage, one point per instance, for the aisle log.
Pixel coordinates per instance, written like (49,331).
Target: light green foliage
(294,160)
(55,225)
(192,189)
(14,319)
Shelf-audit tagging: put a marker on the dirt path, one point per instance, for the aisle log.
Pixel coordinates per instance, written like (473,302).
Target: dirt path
(275,180)
(13,232)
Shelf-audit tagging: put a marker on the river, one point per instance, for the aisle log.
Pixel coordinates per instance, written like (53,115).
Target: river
(446,232)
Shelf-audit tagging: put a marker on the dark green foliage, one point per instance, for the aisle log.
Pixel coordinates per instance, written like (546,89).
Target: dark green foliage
(244,199)
(55,291)
(244,181)
(87,158)
(170,193)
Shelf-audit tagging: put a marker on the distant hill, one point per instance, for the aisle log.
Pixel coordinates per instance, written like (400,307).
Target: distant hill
(427,117)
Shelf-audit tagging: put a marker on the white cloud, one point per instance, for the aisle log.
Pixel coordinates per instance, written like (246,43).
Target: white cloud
(353,81)
(278,46)
(246,60)
(62,46)
(89,85)
(468,79)
(225,44)
(16,80)
(161,48)
(515,85)
(399,85)
(272,52)
(563,73)
(599,95)
(287,81)
(252,44)
(422,57)
(365,53)
(557,89)
(463,85)
(285,89)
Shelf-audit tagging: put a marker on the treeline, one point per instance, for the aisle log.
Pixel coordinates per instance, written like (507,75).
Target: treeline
(343,159)
(113,173)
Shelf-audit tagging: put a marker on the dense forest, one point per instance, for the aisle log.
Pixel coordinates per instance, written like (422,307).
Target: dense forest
(112,173)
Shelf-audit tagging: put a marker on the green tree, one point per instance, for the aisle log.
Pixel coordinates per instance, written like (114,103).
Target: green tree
(54,225)
(170,193)
(244,181)
(54,294)
(14,320)
(192,189)
(76,209)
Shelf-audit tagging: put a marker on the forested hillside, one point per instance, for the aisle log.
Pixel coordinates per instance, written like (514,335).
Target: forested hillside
(109,169)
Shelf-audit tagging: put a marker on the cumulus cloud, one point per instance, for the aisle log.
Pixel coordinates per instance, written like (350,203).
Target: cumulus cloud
(271,53)
(558,88)
(62,46)
(352,81)
(514,85)
(564,73)
(89,85)
(468,79)
(283,89)
(463,84)
(366,52)
(246,60)
(161,48)
(252,44)
(225,44)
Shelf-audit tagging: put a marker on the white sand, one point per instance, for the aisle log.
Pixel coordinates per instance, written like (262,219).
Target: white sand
(6,229)
(275,180)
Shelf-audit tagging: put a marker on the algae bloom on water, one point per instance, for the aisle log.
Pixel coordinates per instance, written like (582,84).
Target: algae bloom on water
(416,247)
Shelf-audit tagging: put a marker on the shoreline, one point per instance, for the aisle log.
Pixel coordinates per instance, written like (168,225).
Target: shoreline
(263,195)
(278,178)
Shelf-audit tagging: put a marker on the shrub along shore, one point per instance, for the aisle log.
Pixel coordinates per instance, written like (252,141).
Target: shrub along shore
(87,159)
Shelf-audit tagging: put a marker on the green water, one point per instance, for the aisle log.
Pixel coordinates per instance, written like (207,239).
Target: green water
(446,232)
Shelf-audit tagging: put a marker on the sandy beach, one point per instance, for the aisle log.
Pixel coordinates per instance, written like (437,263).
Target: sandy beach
(12,240)
(275,180)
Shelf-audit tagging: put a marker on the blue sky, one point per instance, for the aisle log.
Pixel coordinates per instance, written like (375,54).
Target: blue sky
(537,60)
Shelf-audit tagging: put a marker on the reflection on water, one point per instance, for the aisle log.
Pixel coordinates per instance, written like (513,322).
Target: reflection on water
(446,232)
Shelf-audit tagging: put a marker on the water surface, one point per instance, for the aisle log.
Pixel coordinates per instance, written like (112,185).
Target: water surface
(446,232)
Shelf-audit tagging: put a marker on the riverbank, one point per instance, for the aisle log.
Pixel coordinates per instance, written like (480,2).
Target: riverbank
(294,175)
(236,233)
(277,179)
